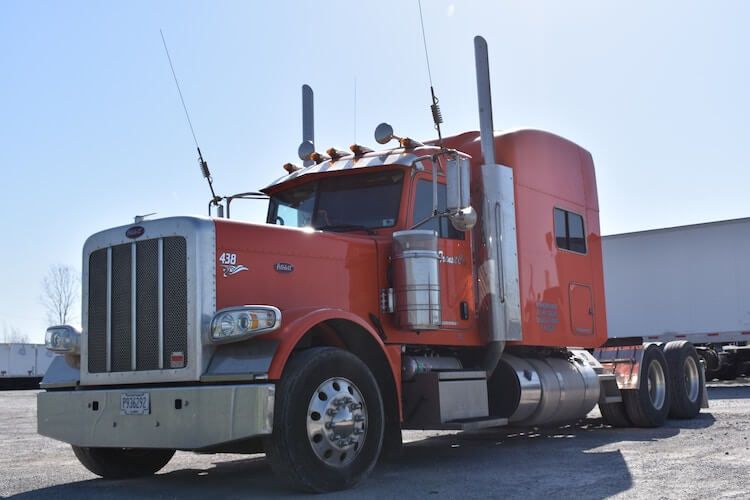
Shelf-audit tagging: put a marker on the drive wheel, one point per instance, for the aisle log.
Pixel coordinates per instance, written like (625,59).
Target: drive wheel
(328,421)
(684,379)
(648,405)
(122,463)
(615,415)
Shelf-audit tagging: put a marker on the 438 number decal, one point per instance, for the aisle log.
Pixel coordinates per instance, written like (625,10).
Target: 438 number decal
(228,258)
(229,264)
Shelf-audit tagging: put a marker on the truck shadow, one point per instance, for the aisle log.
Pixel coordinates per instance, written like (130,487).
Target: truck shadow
(507,462)
(728,391)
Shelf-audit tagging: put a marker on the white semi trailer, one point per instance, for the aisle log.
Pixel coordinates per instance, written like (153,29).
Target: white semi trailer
(23,365)
(684,283)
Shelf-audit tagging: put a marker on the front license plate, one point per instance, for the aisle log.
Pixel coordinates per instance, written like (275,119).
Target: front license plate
(135,403)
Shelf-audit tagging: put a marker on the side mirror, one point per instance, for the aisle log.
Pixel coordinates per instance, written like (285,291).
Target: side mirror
(306,150)
(384,133)
(458,177)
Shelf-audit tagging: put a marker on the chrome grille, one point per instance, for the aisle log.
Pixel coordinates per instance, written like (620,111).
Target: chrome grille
(137,306)
(147,296)
(175,305)
(97,320)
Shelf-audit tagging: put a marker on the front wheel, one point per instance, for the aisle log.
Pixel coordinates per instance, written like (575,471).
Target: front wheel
(328,421)
(122,463)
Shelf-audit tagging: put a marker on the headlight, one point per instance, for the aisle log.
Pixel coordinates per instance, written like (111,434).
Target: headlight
(240,323)
(63,339)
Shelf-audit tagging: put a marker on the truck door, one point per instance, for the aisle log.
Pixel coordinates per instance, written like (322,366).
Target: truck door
(581,309)
(573,266)
(457,292)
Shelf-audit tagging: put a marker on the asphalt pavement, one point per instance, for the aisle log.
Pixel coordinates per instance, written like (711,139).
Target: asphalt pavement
(708,456)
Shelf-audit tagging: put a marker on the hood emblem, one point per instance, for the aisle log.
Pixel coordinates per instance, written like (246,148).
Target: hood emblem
(135,232)
(284,267)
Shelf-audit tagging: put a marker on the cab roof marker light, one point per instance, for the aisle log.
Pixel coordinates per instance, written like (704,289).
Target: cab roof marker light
(359,150)
(319,158)
(291,168)
(336,154)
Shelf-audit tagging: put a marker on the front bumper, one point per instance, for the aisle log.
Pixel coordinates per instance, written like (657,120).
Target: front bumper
(207,416)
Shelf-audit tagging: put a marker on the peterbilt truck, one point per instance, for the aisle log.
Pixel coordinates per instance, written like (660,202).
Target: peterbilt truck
(451,284)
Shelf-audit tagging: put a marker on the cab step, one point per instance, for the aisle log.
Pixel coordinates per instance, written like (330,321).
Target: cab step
(473,424)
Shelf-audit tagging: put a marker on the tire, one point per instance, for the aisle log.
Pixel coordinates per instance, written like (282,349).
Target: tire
(123,463)
(648,406)
(685,382)
(320,388)
(615,414)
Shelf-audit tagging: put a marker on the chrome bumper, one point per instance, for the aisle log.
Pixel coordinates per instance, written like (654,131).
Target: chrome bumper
(207,416)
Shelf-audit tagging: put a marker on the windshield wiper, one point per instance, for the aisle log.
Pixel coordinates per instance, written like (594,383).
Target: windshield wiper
(346,227)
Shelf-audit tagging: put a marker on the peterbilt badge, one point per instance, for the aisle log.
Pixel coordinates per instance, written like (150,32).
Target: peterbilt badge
(135,232)
(284,267)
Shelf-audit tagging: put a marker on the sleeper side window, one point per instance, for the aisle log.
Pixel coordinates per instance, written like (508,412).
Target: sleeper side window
(569,231)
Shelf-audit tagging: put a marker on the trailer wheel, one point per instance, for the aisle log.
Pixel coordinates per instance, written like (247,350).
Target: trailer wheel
(328,421)
(648,405)
(684,379)
(123,463)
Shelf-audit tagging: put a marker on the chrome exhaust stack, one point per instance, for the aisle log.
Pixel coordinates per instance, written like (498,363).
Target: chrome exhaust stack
(308,120)
(497,265)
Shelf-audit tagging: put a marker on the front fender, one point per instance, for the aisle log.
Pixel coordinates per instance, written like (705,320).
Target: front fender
(297,322)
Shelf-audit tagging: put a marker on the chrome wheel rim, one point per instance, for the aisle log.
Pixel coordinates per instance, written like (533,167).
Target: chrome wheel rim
(337,422)
(692,379)
(657,385)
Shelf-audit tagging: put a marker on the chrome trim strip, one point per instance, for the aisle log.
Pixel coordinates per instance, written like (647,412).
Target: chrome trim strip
(160,273)
(133,298)
(109,309)
(499,251)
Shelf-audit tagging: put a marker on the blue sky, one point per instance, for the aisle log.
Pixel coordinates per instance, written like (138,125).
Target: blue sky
(93,132)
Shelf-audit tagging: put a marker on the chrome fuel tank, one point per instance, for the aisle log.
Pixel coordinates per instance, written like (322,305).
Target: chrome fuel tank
(543,391)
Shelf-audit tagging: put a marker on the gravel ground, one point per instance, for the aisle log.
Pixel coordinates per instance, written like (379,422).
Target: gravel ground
(705,457)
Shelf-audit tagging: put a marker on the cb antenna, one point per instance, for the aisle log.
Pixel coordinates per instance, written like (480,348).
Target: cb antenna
(437,115)
(203,164)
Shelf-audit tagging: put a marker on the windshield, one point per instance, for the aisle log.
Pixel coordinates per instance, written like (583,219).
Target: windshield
(349,202)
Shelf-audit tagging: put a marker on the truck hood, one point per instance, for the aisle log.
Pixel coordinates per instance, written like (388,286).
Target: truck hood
(293,268)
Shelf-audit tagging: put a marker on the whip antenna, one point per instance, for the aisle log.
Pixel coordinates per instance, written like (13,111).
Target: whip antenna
(202,163)
(437,115)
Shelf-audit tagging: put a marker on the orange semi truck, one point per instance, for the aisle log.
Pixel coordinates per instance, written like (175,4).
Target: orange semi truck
(455,284)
